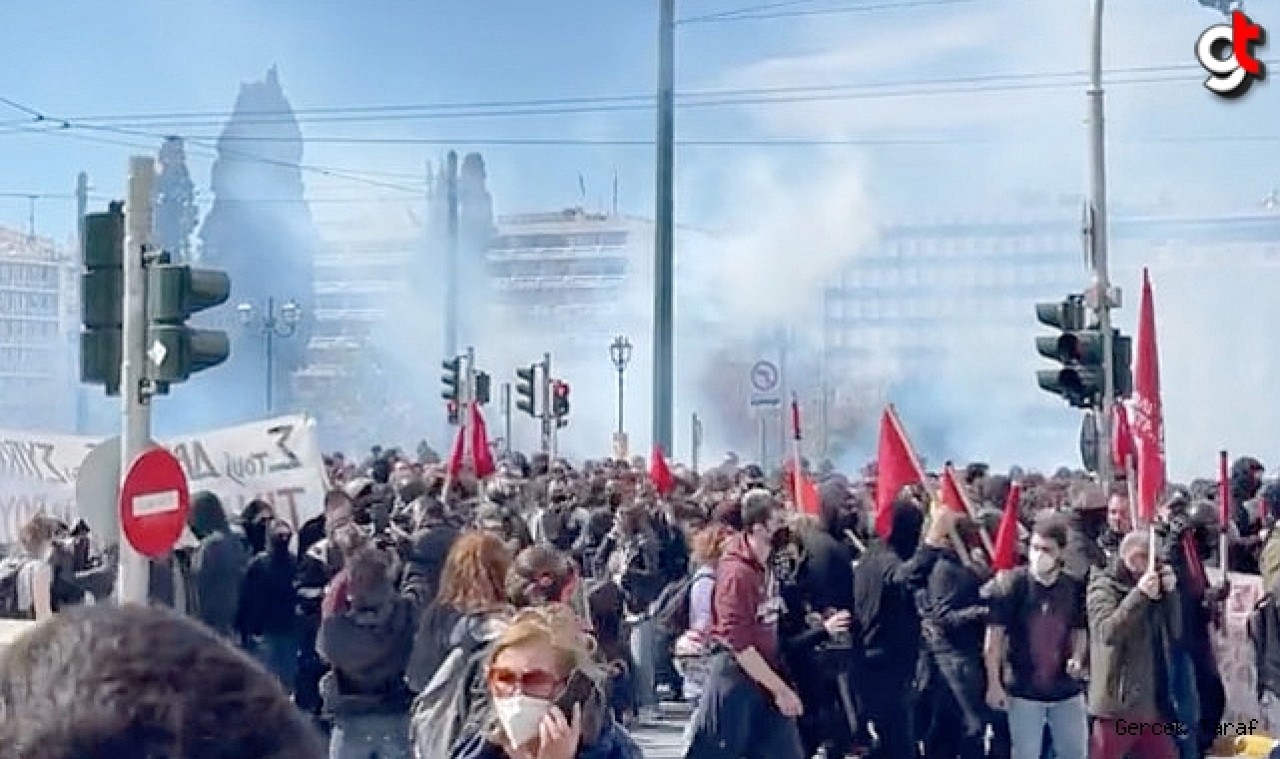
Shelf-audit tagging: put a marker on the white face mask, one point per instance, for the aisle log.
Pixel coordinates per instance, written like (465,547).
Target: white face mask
(520,716)
(1044,567)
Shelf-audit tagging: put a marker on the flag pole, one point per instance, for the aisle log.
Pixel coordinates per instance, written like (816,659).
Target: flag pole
(797,478)
(970,510)
(923,477)
(1224,507)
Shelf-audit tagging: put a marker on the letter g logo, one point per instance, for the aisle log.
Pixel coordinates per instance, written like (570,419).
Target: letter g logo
(1216,52)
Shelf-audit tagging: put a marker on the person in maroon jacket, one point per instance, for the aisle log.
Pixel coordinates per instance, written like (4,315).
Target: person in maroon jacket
(747,709)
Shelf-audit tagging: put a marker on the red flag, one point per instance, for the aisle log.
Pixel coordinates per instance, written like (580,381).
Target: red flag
(1006,549)
(481,455)
(1123,449)
(660,473)
(1148,412)
(806,499)
(952,494)
(896,468)
(457,453)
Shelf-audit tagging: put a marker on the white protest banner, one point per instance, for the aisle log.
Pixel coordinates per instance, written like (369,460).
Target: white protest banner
(1233,650)
(38,476)
(275,460)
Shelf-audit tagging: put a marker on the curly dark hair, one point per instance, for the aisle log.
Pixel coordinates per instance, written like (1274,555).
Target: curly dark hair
(102,682)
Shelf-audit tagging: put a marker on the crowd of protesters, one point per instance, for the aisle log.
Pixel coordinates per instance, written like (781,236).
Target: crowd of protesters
(545,611)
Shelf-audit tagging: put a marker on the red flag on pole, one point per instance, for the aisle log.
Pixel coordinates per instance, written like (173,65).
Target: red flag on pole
(457,453)
(1005,555)
(896,468)
(663,481)
(1123,449)
(481,456)
(1148,410)
(952,495)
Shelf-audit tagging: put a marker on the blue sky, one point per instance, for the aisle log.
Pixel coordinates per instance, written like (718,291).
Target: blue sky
(148,56)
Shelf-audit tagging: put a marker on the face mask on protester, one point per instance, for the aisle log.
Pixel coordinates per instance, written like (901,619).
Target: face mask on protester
(520,716)
(1044,567)
(280,541)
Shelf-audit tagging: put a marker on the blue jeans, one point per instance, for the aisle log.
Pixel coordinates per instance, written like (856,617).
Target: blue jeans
(1067,721)
(644,653)
(370,736)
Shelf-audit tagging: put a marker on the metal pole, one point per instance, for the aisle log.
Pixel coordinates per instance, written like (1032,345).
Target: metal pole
(764,438)
(82,207)
(547,420)
(695,440)
(135,435)
(1096,233)
(506,416)
(621,391)
(269,331)
(451,258)
(664,232)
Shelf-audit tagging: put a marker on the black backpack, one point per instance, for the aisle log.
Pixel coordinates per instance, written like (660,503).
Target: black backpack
(10,574)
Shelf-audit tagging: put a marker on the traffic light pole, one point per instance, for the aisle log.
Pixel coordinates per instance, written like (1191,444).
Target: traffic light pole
(1096,241)
(548,419)
(133,580)
(506,417)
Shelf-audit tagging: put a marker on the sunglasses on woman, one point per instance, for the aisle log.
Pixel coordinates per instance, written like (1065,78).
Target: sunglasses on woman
(535,682)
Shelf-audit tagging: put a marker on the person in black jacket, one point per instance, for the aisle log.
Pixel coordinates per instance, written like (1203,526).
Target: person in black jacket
(887,625)
(218,564)
(954,624)
(268,619)
(367,646)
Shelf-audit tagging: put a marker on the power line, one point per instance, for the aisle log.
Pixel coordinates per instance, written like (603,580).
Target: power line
(745,9)
(556,105)
(68,127)
(943,87)
(712,19)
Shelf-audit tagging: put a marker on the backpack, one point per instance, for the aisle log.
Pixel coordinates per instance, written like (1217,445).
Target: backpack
(671,610)
(10,575)
(454,702)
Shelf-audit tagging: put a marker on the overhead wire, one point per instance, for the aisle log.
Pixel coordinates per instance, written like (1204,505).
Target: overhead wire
(967,84)
(862,8)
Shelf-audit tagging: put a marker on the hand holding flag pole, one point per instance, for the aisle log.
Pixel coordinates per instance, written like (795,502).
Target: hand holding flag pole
(954,496)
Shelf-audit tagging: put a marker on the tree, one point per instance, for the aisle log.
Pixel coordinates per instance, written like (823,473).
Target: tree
(175,201)
(261,232)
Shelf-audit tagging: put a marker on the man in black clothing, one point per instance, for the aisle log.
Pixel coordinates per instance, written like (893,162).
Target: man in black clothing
(888,626)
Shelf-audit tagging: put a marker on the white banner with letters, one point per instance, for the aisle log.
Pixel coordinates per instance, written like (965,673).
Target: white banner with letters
(277,460)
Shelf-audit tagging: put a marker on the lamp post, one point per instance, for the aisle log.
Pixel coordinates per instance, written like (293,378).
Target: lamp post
(620,353)
(270,325)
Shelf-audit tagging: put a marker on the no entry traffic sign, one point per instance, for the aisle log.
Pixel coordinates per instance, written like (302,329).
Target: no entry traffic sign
(154,503)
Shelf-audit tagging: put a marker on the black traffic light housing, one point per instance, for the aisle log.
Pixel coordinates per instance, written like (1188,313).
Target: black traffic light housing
(102,298)
(526,393)
(1080,349)
(484,385)
(451,379)
(560,401)
(175,293)
(451,410)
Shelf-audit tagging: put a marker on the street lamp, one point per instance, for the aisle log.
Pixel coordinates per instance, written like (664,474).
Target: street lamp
(270,325)
(620,353)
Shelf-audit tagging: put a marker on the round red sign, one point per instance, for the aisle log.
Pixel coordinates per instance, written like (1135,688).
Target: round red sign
(154,503)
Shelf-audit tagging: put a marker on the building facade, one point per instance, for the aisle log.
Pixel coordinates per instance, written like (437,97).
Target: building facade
(942,313)
(39,316)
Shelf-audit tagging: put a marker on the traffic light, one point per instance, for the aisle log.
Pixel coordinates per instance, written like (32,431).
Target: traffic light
(452,379)
(102,298)
(1122,364)
(1079,349)
(175,293)
(525,392)
(560,400)
(451,409)
(483,384)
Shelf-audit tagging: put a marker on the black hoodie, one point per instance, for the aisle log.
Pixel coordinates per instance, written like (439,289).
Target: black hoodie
(884,586)
(218,564)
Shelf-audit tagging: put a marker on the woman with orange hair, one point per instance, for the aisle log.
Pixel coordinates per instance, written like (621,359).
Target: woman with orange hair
(471,597)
